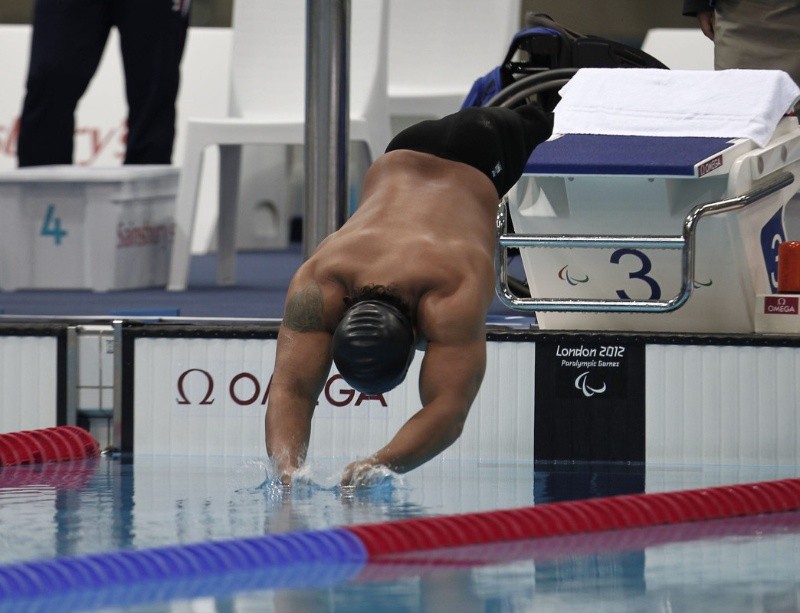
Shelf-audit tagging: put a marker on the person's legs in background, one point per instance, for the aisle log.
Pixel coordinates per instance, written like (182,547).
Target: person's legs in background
(68,41)
(152,38)
(761,34)
(758,34)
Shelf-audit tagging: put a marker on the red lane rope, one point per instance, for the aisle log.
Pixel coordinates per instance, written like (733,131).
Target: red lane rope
(47,445)
(58,475)
(577,517)
(411,564)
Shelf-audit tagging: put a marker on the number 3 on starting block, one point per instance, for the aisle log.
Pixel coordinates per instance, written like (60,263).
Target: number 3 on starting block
(51,225)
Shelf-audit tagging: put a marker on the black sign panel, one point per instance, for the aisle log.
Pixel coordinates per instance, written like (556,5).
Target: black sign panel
(589,400)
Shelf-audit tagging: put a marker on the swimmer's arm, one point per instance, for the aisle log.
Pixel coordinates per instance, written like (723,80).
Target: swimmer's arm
(449,381)
(302,364)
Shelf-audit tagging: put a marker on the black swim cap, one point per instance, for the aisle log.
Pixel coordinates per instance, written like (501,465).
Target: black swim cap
(373,346)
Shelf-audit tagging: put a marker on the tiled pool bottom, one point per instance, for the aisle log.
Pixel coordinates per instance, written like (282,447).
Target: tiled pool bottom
(110,504)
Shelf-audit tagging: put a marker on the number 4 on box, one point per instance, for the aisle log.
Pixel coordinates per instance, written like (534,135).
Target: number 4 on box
(51,225)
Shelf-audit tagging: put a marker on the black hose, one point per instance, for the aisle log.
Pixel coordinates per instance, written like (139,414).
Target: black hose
(542,81)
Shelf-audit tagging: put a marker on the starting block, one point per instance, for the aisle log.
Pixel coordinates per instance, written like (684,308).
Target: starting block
(636,233)
(658,204)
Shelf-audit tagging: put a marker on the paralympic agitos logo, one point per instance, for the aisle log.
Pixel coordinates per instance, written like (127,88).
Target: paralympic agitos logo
(198,387)
(588,390)
(565,275)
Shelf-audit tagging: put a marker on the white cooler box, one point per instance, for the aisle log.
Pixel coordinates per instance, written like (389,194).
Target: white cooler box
(69,227)
(639,186)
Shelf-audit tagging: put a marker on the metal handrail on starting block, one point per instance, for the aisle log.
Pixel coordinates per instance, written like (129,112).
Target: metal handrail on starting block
(686,243)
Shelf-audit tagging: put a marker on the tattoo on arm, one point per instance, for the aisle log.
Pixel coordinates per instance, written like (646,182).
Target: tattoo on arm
(304,310)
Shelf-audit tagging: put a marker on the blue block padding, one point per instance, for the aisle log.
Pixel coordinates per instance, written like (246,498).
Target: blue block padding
(42,578)
(594,154)
(147,312)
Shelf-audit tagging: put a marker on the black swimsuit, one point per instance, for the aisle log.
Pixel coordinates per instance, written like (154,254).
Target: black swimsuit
(496,141)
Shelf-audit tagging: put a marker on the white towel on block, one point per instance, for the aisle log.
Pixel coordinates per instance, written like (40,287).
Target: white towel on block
(653,102)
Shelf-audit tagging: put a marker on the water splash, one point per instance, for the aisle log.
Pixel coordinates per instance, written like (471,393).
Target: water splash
(379,484)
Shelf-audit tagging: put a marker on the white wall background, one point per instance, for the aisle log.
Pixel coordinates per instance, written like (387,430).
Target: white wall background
(28,381)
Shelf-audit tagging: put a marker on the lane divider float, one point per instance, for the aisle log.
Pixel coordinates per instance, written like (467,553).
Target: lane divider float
(47,445)
(352,547)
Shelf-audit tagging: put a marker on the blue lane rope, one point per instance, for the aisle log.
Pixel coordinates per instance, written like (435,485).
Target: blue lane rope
(286,576)
(41,578)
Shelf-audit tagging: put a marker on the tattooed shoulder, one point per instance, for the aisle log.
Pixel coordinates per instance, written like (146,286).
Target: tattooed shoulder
(304,310)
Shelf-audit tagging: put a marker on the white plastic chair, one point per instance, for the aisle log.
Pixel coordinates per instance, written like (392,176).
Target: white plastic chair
(680,48)
(438,48)
(267,106)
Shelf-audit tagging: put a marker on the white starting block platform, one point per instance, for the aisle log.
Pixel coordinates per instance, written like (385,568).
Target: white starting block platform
(613,224)
(69,227)
(658,204)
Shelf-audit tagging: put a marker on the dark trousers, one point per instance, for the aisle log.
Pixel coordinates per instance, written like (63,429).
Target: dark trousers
(69,37)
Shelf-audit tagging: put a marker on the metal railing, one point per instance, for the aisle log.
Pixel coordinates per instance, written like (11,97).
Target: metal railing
(686,243)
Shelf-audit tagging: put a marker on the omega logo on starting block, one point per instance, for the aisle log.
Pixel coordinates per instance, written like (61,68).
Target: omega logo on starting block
(710,165)
(781,305)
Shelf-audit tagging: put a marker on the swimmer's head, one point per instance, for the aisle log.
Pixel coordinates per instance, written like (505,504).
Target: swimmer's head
(373,345)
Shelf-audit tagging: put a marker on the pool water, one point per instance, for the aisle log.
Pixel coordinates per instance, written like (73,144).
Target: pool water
(110,504)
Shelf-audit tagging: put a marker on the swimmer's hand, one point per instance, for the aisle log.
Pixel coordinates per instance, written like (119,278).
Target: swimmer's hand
(284,473)
(286,479)
(362,472)
(290,476)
